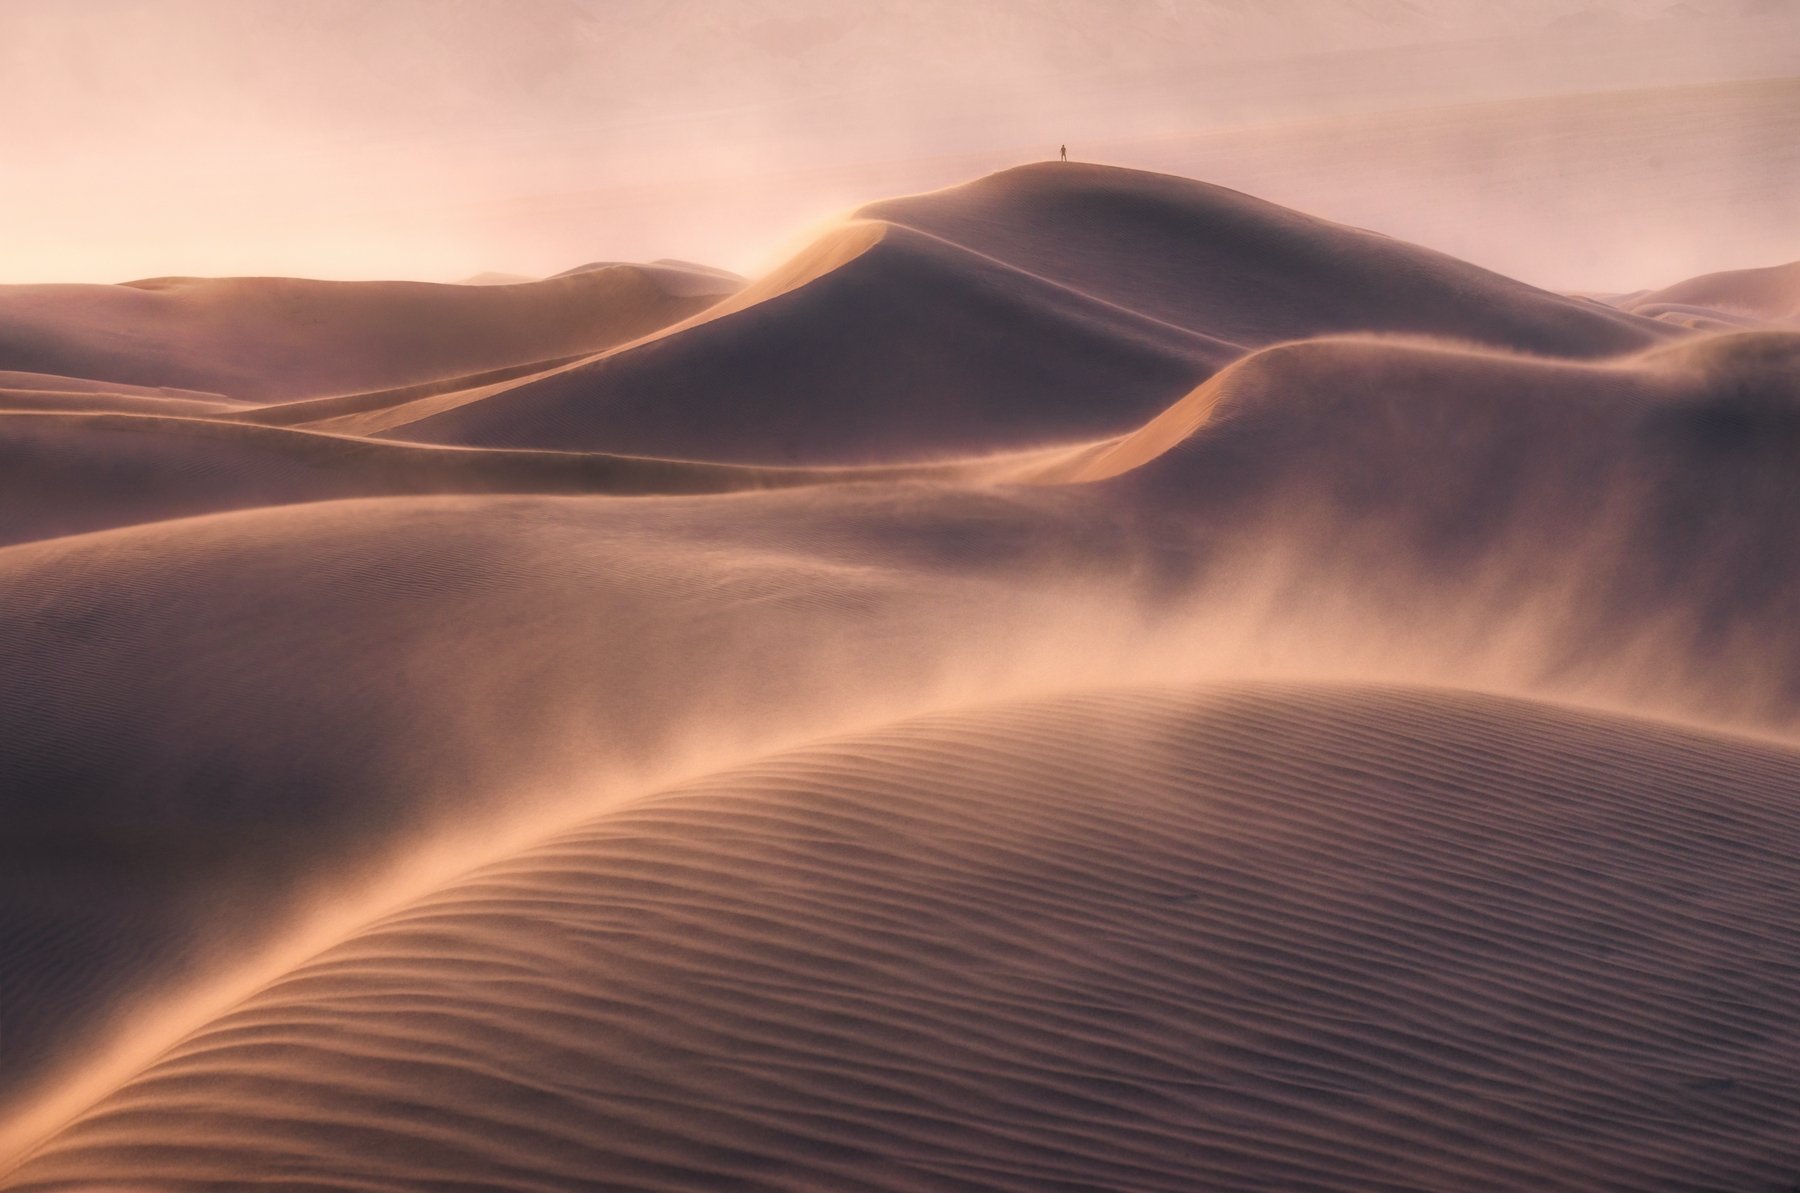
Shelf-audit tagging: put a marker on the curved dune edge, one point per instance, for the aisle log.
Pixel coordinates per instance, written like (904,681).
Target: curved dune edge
(1270,936)
(1261,376)
(1716,369)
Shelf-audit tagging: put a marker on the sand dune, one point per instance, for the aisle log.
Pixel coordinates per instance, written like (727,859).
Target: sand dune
(881,343)
(1294,938)
(1243,269)
(1771,294)
(270,339)
(1053,303)
(1080,679)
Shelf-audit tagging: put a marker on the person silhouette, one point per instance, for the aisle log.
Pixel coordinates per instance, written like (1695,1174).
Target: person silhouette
(1065,153)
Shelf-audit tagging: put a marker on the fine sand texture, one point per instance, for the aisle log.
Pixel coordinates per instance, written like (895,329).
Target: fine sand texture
(1083,680)
(1278,937)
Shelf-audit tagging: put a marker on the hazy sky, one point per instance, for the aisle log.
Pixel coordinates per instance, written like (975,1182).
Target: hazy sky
(441,138)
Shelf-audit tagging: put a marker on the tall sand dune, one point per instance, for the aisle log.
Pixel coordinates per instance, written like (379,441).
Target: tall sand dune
(1043,304)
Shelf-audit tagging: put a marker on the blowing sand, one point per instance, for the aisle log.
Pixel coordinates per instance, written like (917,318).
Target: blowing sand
(1080,680)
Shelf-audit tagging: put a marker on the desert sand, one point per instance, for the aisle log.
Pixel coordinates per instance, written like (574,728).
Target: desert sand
(1083,679)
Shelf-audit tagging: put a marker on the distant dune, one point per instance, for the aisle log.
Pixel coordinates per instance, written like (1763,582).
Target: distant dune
(1081,679)
(273,339)
(1771,294)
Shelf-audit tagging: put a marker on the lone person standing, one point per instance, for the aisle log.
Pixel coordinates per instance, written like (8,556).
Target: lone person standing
(1065,153)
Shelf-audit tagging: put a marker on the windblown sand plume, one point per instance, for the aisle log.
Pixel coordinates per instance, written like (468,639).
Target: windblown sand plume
(1084,679)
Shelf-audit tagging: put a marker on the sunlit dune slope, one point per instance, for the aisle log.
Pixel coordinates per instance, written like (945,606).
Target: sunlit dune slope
(1159,939)
(271,339)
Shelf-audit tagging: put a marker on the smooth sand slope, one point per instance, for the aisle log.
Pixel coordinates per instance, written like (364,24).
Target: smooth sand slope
(1260,938)
(1299,712)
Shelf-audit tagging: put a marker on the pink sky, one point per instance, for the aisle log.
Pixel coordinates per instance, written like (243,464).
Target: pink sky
(442,138)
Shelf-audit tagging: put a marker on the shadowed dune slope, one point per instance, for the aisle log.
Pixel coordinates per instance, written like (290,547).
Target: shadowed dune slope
(1771,294)
(1295,938)
(274,339)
